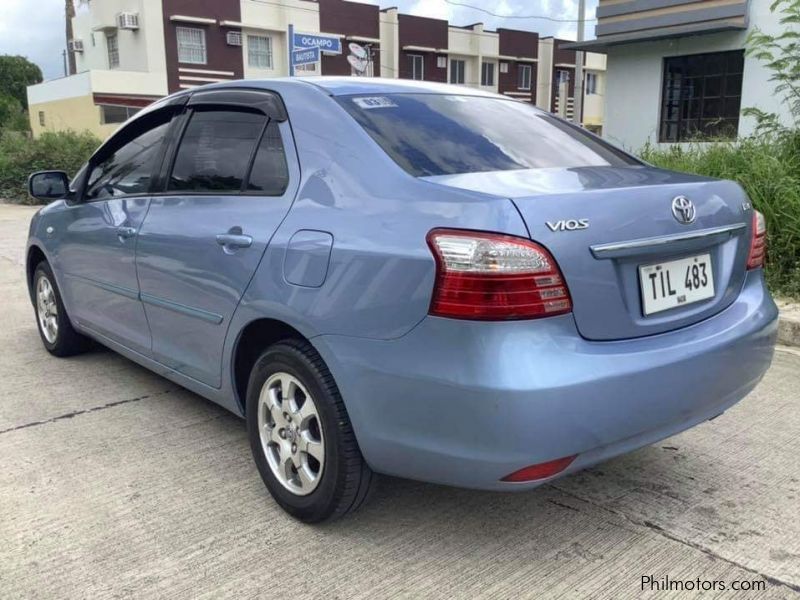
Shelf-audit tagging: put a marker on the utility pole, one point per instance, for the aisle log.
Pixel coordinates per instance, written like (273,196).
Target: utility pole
(69,14)
(579,58)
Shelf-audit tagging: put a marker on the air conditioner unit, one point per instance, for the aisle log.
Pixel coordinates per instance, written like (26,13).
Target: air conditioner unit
(234,38)
(75,45)
(128,20)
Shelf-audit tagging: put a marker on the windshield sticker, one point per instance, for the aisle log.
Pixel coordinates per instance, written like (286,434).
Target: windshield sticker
(374,102)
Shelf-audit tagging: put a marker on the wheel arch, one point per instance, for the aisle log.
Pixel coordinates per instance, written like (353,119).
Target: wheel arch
(251,341)
(34,256)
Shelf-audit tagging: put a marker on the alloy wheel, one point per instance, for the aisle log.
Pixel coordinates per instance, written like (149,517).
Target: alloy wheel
(47,309)
(291,433)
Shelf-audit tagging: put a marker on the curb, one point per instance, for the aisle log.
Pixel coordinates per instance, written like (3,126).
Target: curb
(789,324)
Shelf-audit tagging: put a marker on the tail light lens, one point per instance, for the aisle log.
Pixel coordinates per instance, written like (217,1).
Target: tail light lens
(758,243)
(486,276)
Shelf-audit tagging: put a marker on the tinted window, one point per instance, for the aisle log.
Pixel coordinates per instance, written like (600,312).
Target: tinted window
(128,169)
(215,151)
(429,134)
(270,175)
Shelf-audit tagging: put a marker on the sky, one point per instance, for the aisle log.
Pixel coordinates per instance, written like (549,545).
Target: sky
(36,29)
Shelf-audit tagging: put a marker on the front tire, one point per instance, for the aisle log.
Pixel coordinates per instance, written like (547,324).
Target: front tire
(55,329)
(301,437)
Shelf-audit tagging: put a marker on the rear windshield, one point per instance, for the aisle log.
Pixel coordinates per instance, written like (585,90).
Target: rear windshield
(438,134)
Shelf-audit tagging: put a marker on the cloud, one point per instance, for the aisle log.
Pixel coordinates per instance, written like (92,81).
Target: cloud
(36,32)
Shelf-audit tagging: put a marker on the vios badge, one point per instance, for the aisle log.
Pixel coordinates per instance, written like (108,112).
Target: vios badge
(568,225)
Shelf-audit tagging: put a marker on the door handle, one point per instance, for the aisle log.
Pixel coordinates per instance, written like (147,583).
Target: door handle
(231,241)
(126,232)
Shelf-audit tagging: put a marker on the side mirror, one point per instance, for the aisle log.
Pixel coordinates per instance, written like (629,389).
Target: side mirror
(48,185)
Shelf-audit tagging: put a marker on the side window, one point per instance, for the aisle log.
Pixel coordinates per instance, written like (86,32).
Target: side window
(270,174)
(215,151)
(129,168)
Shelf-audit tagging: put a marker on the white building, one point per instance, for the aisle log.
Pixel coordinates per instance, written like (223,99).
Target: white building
(129,53)
(677,70)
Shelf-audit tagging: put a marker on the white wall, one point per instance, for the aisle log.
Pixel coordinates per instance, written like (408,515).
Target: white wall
(59,89)
(474,46)
(389,32)
(98,82)
(273,19)
(634,79)
(140,50)
(544,75)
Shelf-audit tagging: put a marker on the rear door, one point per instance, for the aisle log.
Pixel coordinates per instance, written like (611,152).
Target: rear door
(230,183)
(98,241)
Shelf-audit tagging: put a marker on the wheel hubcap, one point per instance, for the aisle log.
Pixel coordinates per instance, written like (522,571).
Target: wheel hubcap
(47,309)
(291,433)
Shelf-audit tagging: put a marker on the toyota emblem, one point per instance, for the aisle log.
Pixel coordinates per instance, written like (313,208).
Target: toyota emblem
(684,210)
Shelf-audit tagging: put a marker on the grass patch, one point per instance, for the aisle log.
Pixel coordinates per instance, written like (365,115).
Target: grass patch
(769,171)
(21,155)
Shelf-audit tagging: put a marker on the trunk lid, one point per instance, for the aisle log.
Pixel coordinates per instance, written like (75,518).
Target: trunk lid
(602,223)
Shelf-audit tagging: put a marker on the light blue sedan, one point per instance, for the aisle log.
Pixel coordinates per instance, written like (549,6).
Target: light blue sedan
(405,278)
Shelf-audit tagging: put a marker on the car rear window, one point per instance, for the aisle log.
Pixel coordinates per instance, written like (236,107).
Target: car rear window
(442,134)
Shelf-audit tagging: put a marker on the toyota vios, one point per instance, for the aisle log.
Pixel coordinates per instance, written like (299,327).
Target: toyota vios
(405,278)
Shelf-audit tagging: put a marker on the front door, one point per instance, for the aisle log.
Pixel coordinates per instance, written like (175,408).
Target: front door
(228,189)
(96,255)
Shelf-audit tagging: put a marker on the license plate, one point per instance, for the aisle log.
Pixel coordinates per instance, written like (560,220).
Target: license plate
(676,283)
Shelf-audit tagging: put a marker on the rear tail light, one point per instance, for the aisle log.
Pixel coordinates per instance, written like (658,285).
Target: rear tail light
(487,276)
(758,243)
(540,470)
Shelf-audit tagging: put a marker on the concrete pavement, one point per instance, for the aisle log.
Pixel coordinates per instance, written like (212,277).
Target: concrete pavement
(116,483)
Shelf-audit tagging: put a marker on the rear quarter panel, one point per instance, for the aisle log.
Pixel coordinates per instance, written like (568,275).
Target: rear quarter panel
(381,271)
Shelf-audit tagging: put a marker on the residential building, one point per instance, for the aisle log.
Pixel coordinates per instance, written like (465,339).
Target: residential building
(518,68)
(354,22)
(678,72)
(130,52)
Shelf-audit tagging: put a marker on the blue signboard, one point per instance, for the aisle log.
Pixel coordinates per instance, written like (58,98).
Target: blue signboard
(305,56)
(326,43)
(306,48)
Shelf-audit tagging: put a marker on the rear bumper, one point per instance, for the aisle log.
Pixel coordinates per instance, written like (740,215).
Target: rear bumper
(466,403)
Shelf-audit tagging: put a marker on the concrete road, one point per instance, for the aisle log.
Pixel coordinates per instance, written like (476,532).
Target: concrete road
(115,483)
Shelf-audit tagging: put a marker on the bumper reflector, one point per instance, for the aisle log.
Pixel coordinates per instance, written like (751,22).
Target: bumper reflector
(540,471)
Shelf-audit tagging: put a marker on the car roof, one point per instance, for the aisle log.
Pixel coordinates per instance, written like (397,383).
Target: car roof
(341,86)
(344,86)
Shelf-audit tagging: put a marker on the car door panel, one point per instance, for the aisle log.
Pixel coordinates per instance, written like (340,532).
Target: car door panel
(97,258)
(197,252)
(99,231)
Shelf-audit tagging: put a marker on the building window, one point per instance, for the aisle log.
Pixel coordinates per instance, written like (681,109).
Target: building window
(504,67)
(191,45)
(562,77)
(591,83)
(116,114)
(112,45)
(41,118)
(259,51)
(487,74)
(524,81)
(441,62)
(417,66)
(457,68)
(701,96)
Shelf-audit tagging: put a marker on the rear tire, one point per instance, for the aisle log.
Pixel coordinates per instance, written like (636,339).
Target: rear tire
(58,336)
(307,454)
